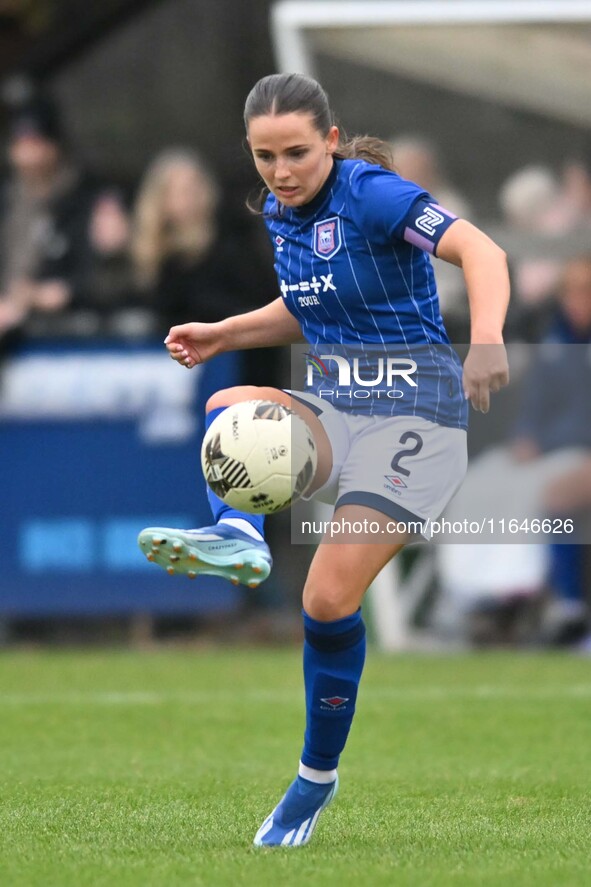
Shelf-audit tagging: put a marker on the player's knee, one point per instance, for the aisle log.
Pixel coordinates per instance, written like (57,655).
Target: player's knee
(327,603)
(229,396)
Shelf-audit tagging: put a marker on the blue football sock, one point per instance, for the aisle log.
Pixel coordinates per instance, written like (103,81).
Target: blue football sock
(219,509)
(567,572)
(334,654)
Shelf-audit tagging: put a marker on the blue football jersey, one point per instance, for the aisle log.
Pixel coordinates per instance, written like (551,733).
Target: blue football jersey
(354,269)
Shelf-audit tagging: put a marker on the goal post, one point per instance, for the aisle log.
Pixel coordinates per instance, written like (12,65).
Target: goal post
(293,21)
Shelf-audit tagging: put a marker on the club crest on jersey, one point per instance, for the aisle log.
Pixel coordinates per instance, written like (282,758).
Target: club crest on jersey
(327,237)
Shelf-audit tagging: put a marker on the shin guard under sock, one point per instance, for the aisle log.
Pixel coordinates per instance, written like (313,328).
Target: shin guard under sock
(334,654)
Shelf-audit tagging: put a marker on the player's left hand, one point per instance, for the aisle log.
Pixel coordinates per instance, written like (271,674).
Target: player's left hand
(486,369)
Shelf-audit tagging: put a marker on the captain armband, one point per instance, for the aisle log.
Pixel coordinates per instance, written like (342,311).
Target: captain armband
(425,225)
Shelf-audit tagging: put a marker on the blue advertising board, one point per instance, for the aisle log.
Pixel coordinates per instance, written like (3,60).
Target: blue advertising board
(98,441)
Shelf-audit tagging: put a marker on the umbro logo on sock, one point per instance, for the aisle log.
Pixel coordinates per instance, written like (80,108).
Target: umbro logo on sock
(336,701)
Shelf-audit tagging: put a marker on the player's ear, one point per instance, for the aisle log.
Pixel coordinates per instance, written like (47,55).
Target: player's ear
(332,139)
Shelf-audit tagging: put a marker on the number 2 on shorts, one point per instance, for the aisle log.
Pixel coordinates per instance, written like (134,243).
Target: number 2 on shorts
(410,451)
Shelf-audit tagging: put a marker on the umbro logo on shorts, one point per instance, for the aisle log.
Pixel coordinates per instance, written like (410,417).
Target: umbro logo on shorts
(395,480)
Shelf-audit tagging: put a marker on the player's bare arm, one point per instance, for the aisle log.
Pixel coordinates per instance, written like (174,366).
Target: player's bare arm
(194,343)
(484,265)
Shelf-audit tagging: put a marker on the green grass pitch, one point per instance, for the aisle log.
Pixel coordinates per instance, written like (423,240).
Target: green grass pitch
(121,768)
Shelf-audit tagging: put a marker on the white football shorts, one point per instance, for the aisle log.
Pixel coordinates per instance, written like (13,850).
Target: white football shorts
(405,467)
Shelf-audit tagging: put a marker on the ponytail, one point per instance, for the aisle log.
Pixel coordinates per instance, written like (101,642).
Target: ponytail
(366,148)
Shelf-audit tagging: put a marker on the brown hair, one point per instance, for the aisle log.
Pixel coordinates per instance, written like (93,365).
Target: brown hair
(299,94)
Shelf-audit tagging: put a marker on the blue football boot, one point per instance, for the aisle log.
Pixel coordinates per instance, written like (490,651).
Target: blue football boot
(221,550)
(292,822)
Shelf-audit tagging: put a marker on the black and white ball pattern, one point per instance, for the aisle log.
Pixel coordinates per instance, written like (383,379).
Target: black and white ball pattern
(259,456)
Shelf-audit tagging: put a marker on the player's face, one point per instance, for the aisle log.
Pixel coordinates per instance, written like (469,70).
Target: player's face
(292,157)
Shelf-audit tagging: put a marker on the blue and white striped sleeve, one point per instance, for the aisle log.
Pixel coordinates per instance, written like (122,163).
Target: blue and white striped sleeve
(387,207)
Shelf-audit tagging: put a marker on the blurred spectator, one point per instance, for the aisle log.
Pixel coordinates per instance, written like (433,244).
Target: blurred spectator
(417,159)
(557,414)
(197,261)
(529,200)
(573,208)
(536,201)
(52,232)
(556,410)
(544,472)
(190,266)
(105,289)
(194,263)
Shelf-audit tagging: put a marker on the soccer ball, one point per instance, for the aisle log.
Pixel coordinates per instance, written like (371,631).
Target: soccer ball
(258,456)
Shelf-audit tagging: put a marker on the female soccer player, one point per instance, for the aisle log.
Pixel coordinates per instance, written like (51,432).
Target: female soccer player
(351,241)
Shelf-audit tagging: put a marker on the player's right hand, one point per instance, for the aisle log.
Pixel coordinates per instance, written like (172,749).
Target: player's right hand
(193,343)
